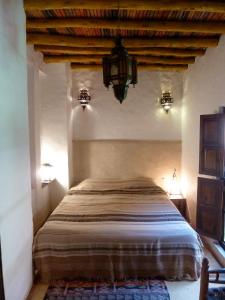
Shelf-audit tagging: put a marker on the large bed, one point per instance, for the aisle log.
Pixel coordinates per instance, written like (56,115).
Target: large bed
(117,229)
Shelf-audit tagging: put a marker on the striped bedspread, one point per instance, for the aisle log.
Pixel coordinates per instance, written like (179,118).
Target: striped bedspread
(112,235)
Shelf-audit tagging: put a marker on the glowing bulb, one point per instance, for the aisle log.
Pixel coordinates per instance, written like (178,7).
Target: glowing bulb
(174,187)
(47,173)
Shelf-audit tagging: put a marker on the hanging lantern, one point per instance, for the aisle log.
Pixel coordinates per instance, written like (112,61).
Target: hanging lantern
(166,101)
(120,70)
(84,98)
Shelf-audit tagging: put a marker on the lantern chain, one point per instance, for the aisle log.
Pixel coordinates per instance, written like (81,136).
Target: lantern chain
(118,17)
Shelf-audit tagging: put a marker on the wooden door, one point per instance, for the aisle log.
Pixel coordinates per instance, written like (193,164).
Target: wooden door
(210,215)
(211,154)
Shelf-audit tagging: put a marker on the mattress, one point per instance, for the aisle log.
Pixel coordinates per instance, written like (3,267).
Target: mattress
(117,230)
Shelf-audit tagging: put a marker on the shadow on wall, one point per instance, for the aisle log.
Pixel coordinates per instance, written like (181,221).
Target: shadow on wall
(57,192)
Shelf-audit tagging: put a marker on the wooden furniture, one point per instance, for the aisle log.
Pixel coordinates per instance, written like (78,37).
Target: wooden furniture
(81,32)
(210,197)
(210,207)
(205,292)
(211,158)
(2,294)
(181,205)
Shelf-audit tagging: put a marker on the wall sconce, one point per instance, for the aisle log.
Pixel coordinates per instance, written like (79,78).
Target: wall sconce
(174,187)
(47,173)
(166,101)
(84,98)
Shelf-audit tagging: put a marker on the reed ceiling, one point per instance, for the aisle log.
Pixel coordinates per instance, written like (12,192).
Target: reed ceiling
(163,35)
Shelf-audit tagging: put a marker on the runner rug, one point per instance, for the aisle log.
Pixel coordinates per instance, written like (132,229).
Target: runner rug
(120,290)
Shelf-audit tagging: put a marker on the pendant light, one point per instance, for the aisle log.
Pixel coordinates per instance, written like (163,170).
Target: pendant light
(119,69)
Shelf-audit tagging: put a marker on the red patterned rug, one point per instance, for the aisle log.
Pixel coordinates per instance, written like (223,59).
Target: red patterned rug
(120,290)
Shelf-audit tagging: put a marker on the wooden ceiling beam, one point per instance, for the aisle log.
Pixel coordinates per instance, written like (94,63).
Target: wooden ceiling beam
(184,5)
(150,67)
(64,40)
(98,59)
(167,26)
(84,67)
(138,51)
(165,60)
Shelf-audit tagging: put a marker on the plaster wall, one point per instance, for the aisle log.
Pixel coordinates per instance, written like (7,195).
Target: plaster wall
(204,92)
(16,228)
(127,159)
(55,118)
(139,117)
(40,195)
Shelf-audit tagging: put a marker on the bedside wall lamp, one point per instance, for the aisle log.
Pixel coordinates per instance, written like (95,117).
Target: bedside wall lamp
(166,101)
(174,187)
(47,173)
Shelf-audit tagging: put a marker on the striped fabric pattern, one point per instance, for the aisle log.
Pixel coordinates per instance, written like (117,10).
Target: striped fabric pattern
(100,235)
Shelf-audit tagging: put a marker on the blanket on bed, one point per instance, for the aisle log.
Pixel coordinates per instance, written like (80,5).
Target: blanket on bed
(119,235)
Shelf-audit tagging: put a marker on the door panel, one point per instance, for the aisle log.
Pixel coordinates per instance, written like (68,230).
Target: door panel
(211,152)
(210,192)
(208,223)
(211,158)
(210,207)
(211,130)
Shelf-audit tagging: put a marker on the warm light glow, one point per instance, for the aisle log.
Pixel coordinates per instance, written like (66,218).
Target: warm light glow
(185,184)
(84,98)
(57,157)
(89,107)
(47,173)
(166,101)
(174,186)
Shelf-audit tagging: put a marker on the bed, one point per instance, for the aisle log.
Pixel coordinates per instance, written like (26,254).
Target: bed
(117,229)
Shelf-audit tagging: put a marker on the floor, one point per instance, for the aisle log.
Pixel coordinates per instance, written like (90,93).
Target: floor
(184,290)
(187,290)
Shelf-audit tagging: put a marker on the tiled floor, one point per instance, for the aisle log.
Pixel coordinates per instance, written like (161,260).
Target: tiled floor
(184,290)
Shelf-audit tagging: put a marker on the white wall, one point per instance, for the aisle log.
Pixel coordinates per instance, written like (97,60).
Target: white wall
(56,139)
(204,92)
(49,88)
(15,203)
(40,195)
(138,117)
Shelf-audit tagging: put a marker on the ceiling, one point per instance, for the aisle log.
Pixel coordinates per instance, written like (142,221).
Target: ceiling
(163,35)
